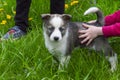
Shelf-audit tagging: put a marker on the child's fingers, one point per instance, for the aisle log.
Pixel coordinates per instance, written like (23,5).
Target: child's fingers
(82,31)
(89,42)
(82,36)
(85,25)
(85,40)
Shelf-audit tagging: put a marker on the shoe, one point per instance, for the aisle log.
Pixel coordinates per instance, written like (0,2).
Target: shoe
(14,33)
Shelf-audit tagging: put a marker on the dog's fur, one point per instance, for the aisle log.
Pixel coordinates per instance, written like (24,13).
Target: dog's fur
(61,37)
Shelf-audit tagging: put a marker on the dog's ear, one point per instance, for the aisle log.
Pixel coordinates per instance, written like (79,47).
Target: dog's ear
(66,17)
(45,17)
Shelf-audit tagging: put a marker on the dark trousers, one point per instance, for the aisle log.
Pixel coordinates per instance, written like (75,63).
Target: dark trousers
(22,11)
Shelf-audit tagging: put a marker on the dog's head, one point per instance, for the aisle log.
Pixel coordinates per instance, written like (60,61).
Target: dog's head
(55,25)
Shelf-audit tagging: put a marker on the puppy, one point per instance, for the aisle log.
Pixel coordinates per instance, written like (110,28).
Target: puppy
(61,37)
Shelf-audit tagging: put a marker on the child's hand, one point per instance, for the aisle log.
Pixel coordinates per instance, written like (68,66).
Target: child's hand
(89,34)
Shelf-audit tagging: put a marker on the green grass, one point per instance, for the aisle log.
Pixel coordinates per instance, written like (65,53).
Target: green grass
(28,59)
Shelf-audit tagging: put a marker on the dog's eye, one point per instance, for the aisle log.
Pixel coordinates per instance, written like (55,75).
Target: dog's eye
(62,28)
(51,28)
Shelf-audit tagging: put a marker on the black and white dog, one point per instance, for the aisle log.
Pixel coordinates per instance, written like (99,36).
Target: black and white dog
(61,37)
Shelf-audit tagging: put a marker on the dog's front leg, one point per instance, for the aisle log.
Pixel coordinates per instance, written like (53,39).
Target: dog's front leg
(113,62)
(64,62)
(54,61)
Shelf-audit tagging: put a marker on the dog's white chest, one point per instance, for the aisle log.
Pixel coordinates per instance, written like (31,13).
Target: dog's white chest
(56,48)
(59,48)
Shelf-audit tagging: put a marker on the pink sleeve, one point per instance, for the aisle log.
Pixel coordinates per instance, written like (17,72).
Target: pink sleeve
(112,30)
(113,18)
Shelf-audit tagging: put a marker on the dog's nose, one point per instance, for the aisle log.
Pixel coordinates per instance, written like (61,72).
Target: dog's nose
(56,38)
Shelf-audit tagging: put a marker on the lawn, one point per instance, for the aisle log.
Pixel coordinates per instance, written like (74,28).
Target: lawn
(28,59)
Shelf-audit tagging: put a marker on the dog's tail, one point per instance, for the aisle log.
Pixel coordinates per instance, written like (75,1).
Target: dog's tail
(100,17)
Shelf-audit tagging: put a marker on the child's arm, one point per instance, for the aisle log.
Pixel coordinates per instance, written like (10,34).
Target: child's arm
(113,18)
(111,30)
